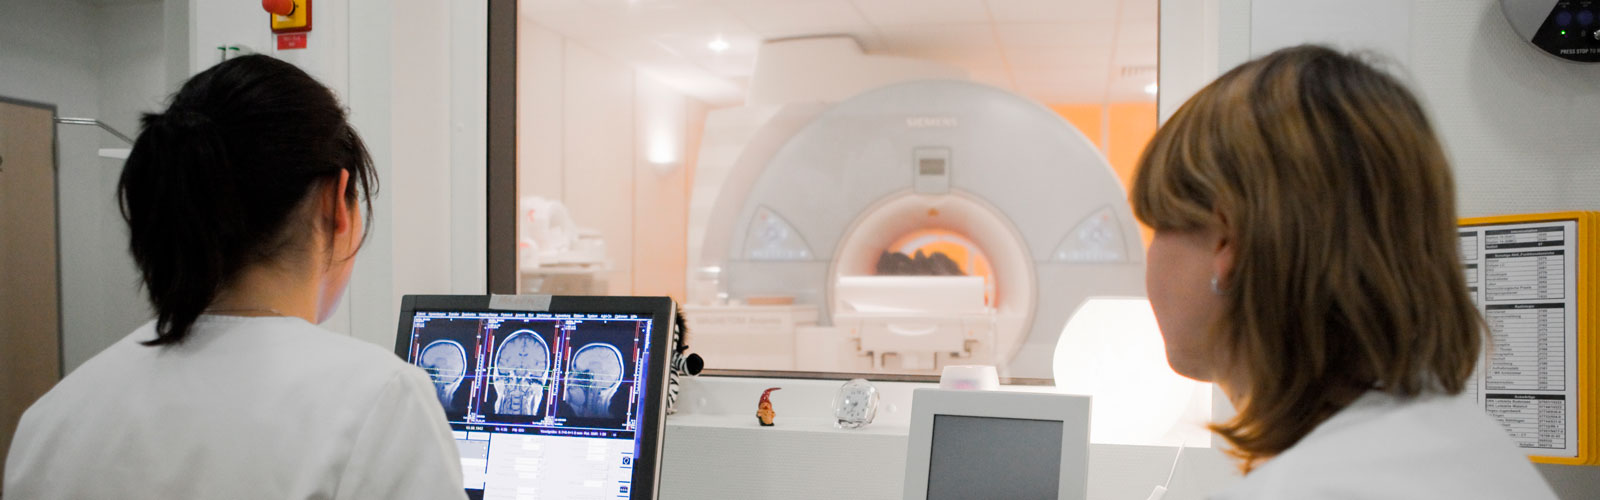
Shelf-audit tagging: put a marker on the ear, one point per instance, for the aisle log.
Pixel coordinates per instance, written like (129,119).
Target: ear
(1223,249)
(335,208)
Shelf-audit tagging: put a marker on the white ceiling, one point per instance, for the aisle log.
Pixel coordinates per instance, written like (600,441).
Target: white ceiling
(1054,51)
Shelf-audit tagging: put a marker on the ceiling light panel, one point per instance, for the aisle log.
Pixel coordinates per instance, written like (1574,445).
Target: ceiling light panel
(739,59)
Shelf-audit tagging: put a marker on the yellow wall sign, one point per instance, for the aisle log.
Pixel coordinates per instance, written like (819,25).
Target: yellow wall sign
(1533,277)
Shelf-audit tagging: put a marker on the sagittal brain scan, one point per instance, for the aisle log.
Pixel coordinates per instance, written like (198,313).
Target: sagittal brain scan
(446,363)
(592,379)
(520,372)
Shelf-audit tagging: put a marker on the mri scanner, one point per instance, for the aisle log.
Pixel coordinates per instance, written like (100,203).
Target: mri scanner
(809,202)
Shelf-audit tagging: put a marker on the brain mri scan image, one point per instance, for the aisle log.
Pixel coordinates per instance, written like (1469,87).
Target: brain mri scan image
(520,372)
(446,363)
(594,376)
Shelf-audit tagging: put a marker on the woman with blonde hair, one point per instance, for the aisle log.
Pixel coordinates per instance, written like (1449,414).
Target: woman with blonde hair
(1305,260)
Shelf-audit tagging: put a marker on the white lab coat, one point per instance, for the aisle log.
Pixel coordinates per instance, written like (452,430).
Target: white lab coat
(1387,447)
(245,408)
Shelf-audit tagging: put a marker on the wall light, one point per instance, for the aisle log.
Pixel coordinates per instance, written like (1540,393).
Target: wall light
(1151,88)
(662,151)
(1111,349)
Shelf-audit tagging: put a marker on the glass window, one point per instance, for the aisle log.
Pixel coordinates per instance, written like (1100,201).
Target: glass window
(856,186)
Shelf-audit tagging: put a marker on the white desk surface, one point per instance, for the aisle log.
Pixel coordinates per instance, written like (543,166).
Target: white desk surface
(715,449)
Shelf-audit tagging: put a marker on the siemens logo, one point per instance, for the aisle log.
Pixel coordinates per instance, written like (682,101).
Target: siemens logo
(931,122)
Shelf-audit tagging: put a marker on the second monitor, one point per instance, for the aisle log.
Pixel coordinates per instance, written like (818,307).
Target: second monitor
(991,444)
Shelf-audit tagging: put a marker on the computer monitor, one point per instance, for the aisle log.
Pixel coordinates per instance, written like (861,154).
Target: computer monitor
(990,444)
(560,397)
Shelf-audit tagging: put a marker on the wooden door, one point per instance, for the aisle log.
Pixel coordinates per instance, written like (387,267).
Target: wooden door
(30,326)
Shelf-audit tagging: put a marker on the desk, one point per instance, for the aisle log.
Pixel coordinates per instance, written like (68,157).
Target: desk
(718,450)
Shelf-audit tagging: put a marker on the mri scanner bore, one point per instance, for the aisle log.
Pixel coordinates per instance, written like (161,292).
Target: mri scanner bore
(532,372)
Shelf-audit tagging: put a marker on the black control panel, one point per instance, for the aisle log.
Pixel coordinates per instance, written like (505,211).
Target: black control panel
(1572,31)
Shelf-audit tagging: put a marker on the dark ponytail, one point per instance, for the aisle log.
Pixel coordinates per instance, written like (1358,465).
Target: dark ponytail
(220,181)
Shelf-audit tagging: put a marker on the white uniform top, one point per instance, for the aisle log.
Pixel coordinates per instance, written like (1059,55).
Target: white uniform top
(244,408)
(1387,447)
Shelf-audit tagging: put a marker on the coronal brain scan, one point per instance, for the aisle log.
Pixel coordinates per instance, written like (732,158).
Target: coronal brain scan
(592,379)
(446,363)
(520,372)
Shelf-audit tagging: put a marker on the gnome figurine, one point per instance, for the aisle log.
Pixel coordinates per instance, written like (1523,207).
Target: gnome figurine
(764,413)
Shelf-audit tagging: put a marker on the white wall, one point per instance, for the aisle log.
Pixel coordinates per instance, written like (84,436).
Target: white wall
(372,283)
(412,73)
(132,81)
(51,56)
(1519,126)
(95,62)
(598,153)
(422,65)
(414,85)
(132,69)
(1199,38)
(588,126)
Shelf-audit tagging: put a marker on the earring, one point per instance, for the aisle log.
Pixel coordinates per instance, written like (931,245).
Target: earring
(1214,286)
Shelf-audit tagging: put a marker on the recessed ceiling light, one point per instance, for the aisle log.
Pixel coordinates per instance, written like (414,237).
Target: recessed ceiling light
(718,45)
(1151,88)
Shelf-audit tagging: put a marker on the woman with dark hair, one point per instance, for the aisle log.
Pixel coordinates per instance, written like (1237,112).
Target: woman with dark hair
(243,202)
(1305,259)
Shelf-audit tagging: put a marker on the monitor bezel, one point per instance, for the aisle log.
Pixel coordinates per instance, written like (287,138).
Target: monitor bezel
(662,311)
(1071,410)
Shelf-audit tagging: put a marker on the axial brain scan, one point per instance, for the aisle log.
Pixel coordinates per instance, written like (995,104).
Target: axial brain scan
(592,380)
(446,363)
(521,369)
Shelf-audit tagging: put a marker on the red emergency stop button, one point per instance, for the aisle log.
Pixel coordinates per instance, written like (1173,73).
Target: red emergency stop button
(279,7)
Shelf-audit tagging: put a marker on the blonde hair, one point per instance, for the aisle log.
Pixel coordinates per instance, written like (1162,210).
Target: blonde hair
(1325,175)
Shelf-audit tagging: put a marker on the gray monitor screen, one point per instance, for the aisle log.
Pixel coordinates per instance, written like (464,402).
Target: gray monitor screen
(983,457)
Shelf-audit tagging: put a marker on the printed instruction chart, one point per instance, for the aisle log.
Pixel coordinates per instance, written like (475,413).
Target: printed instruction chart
(1524,278)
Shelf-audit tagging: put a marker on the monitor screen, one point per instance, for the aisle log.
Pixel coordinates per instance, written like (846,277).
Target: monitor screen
(541,403)
(985,457)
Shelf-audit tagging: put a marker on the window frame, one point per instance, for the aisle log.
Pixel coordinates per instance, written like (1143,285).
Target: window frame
(502,182)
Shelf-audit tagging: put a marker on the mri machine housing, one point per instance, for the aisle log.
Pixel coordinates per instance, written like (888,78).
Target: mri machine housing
(819,191)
